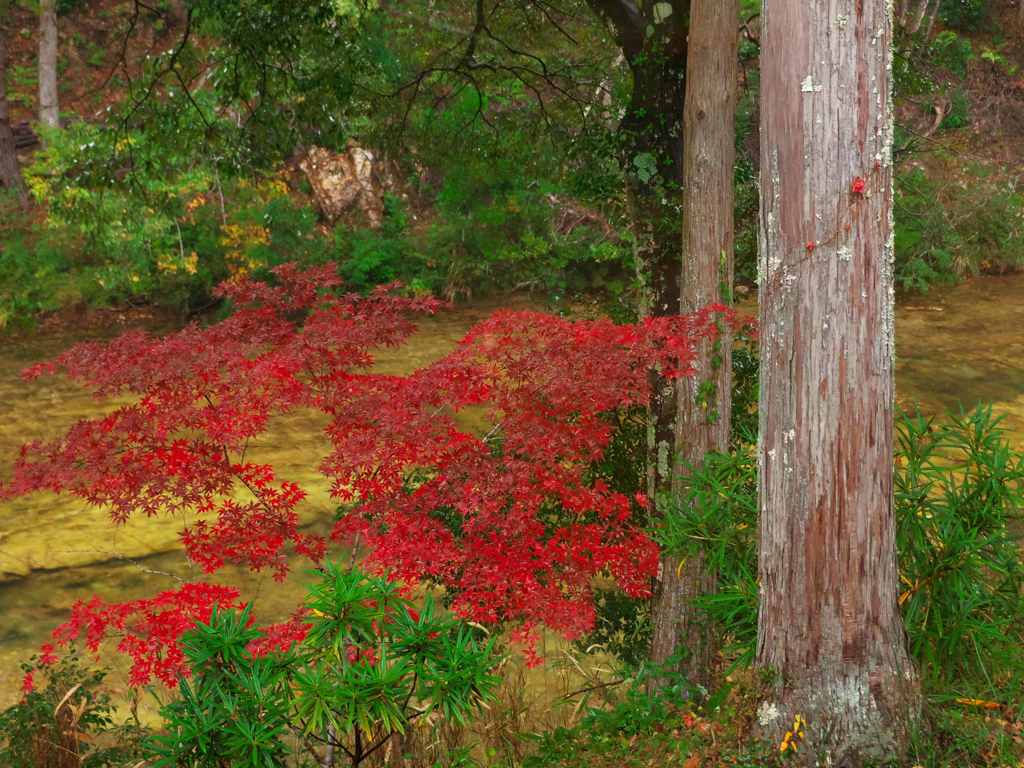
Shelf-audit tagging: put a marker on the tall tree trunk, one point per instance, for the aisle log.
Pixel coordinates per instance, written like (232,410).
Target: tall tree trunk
(652,133)
(10,173)
(933,14)
(829,623)
(918,17)
(653,41)
(703,413)
(653,141)
(49,108)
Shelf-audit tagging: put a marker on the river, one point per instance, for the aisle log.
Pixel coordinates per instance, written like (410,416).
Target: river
(961,345)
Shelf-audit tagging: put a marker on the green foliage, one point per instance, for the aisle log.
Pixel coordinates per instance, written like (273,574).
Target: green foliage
(374,257)
(745,391)
(367,668)
(924,66)
(34,278)
(959,494)
(66,723)
(662,728)
(623,626)
(951,52)
(958,114)
(165,234)
(717,515)
(627,735)
(946,231)
(959,500)
(496,210)
(964,14)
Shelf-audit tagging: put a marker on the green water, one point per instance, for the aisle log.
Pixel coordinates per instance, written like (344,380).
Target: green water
(964,345)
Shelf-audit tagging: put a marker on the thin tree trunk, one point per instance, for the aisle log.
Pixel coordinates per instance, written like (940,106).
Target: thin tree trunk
(933,14)
(829,623)
(10,173)
(923,13)
(654,140)
(49,108)
(652,38)
(703,413)
(653,135)
(901,10)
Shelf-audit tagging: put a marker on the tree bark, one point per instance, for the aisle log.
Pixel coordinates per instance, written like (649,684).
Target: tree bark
(652,38)
(654,45)
(652,139)
(829,622)
(49,106)
(933,14)
(704,402)
(10,172)
(918,17)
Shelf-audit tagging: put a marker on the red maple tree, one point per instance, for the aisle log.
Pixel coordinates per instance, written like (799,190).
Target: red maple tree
(513,522)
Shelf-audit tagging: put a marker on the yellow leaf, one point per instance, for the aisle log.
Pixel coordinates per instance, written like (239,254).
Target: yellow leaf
(980,703)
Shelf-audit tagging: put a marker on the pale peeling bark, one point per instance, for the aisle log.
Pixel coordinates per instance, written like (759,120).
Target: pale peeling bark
(829,622)
(702,424)
(10,173)
(49,107)
(912,15)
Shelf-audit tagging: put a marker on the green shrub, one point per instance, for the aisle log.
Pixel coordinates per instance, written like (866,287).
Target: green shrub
(718,516)
(959,500)
(964,14)
(952,52)
(958,114)
(374,257)
(662,728)
(959,496)
(65,721)
(368,666)
(34,278)
(946,231)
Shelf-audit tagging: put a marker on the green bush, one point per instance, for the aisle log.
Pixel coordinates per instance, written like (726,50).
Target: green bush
(959,496)
(165,234)
(374,257)
(952,52)
(367,668)
(662,728)
(965,14)
(66,721)
(34,278)
(946,231)
(959,501)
